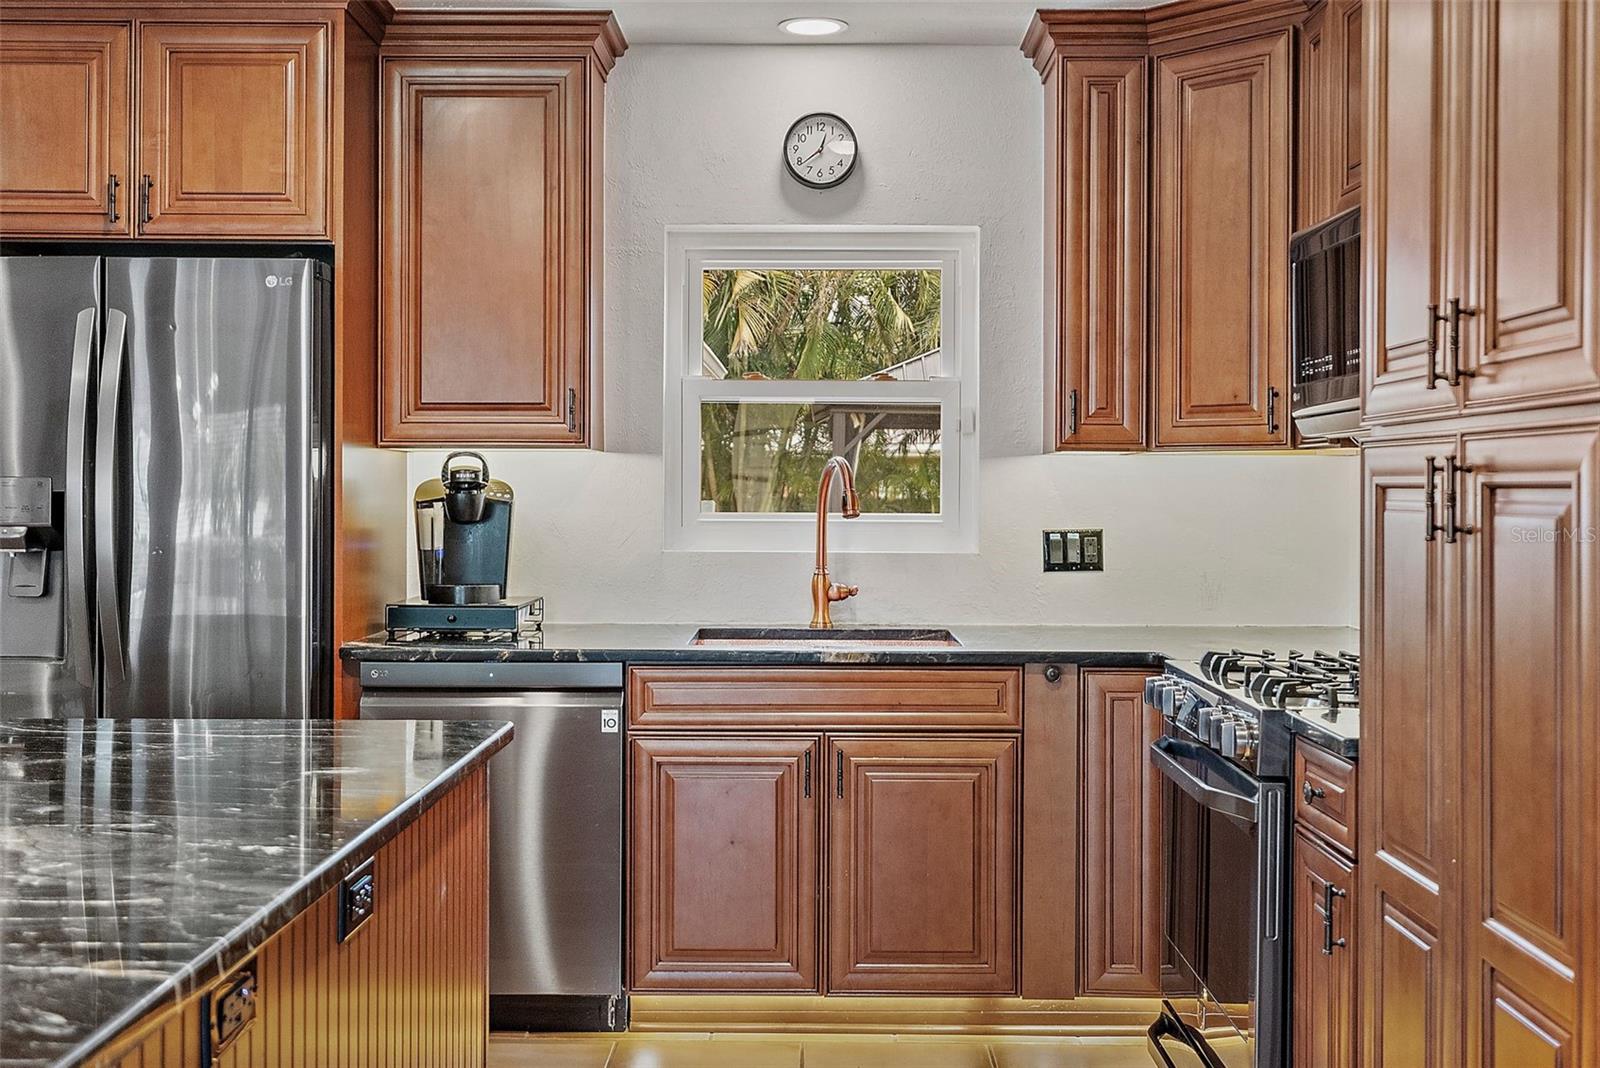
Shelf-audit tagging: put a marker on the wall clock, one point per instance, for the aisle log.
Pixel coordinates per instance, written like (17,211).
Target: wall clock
(820,150)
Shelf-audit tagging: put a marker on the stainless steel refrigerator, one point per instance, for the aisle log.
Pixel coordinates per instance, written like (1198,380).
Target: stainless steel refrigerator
(164,486)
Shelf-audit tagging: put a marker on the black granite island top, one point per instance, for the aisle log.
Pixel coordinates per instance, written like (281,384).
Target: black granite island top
(140,859)
(669,643)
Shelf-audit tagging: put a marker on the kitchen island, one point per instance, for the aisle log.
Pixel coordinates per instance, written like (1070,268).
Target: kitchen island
(200,892)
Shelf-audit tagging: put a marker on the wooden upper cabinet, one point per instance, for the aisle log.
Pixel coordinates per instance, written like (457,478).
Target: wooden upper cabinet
(1347,121)
(723,871)
(1313,163)
(1331,122)
(1098,115)
(1531,640)
(1410,762)
(1406,230)
(64,126)
(922,865)
(1322,899)
(1120,866)
(234,124)
(1533,249)
(1220,259)
(490,217)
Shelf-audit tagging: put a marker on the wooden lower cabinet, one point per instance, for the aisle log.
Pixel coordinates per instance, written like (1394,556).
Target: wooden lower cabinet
(856,859)
(1323,899)
(1478,834)
(1530,652)
(1121,899)
(409,986)
(723,863)
(922,865)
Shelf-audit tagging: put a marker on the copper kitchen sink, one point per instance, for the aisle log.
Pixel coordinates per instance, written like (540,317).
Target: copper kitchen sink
(737,636)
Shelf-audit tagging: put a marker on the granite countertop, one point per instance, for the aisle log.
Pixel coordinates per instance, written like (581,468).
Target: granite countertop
(656,643)
(140,859)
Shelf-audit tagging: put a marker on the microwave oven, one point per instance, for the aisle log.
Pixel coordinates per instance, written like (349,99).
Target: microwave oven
(1325,328)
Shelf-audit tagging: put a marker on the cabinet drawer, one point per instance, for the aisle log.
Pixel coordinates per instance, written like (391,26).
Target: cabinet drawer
(1325,794)
(814,698)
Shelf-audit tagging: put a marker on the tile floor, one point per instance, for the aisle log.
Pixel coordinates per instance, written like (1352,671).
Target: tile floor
(811,1051)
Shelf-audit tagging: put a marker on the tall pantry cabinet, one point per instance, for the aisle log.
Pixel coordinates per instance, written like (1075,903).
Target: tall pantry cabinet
(1480,779)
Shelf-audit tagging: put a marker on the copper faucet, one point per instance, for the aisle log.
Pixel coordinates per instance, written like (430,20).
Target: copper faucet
(824,592)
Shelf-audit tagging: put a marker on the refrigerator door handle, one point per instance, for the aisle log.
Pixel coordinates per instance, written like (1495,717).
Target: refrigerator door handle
(108,597)
(80,636)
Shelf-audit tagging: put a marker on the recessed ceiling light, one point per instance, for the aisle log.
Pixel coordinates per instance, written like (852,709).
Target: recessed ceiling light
(813,27)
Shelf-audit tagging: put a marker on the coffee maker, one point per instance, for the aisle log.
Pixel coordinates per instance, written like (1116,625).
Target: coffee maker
(463,553)
(463,533)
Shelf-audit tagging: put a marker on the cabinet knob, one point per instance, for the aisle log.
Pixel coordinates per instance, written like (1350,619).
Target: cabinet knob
(1310,793)
(1052,674)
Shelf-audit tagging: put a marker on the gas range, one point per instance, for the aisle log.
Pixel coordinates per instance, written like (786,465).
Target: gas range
(1248,704)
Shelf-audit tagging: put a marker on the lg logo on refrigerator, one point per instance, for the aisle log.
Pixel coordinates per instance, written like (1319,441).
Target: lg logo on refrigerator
(274,281)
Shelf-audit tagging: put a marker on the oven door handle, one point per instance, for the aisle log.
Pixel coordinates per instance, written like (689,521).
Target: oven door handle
(1240,806)
(1168,1026)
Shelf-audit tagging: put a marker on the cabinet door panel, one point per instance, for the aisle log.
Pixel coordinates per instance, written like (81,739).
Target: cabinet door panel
(1101,199)
(1403,991)
(234,124)
(484,244)
(1346,120)
(1221,244)
(723,847)
(1314,167)
(1409,768)
(1535,264)
(64,126)
(922,865)
(1533,663)
(1405,229)
(1121,814)
(1324,972)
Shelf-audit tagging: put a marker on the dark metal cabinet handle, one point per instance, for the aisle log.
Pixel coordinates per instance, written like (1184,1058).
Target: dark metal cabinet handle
(1452,499)
(1434,319)
(1052,674)
(1272,409)
(146,184)
(1430,502)
(808,772)
(1329,892)
(1455,374)
(111,199)
(1310,793)
(1072,413)
(572,409)
(839,774)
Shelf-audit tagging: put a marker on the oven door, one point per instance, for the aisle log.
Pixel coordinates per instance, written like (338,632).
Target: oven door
(1226,939)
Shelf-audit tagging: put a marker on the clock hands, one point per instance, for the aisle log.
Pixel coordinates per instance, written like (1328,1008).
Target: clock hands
(818,152)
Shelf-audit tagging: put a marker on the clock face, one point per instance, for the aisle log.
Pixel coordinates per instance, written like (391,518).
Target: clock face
(820,150)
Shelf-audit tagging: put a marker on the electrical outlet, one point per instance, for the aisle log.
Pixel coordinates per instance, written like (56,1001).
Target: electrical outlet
(1074,550)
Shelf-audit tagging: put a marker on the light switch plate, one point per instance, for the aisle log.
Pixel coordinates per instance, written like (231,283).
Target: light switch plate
(1074,550)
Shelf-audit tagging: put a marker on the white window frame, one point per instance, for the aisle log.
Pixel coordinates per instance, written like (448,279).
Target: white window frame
(953,250)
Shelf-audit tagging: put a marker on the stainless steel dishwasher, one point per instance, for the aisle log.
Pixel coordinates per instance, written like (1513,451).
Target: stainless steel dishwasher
(555,811)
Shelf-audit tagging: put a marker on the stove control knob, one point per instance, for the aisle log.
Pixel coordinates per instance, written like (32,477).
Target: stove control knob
(1209,725)
(1240,738)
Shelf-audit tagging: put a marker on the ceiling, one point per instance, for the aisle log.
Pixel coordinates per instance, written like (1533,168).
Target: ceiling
(971,22)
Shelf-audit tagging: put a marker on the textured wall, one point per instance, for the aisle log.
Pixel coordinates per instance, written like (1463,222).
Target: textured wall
(949,135)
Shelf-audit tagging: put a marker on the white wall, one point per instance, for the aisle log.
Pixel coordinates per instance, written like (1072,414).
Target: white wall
(949,135)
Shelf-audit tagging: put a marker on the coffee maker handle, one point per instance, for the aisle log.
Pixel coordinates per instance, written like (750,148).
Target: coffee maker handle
(483,465)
